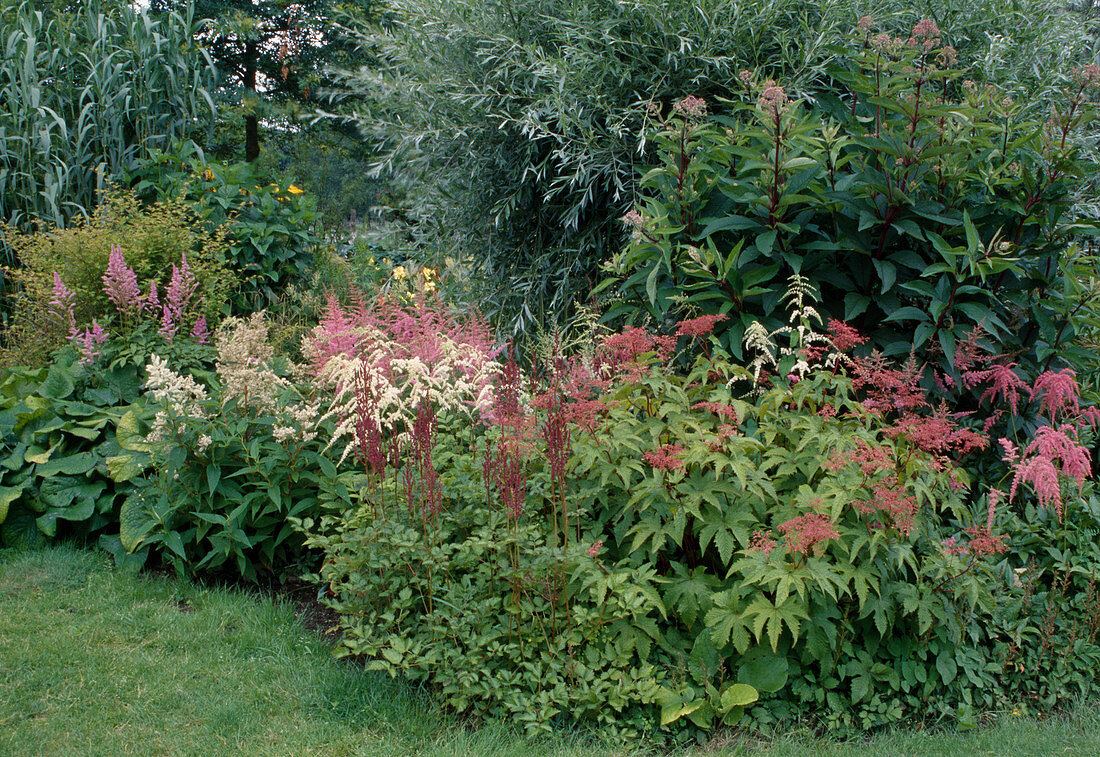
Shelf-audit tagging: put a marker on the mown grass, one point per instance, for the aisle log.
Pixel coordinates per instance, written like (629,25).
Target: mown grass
(96,661)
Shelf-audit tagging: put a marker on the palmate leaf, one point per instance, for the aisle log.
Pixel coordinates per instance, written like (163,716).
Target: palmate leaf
(774,617)
(726,622)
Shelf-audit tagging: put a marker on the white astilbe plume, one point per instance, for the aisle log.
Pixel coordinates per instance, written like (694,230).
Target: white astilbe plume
(181,396)
(799,296)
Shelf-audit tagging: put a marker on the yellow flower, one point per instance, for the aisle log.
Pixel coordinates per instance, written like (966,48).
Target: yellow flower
(208,174)
(400,273)
(294,190)
(427,273)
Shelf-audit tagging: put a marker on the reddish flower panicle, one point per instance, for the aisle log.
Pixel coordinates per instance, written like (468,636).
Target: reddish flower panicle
(845,338)
(1060,392)
(700,326)
(761,541)
(1004,383)
(665,457)
(62,304)
(806,531)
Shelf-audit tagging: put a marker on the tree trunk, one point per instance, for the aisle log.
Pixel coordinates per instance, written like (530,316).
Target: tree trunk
(251,121)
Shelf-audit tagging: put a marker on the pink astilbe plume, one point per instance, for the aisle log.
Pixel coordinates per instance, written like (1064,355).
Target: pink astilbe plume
(1051,454)
(120,283)
(152,300)
(62,304)
(891,499)
(177,297)
(89,341)
(1060,394)
(199,332)
(1003,383)
(808,530)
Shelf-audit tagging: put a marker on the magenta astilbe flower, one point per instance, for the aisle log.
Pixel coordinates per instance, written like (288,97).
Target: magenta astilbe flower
(808,530)
(177,298)
(1060,392)
(62,304)
(89,341)
(199,332)
(152,300)
(120,283)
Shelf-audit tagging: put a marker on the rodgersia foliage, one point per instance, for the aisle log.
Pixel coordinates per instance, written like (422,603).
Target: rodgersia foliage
(633,545)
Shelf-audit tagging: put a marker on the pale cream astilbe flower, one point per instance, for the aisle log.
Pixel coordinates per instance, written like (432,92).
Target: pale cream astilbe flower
(455,381)
(243,366)
(182,397)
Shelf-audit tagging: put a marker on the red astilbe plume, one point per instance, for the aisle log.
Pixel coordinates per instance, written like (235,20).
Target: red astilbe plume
(1003,381)
(423,443)
(844,337)
(1051,454)
(806,531)
(368,429)
(1060,394)
(700,326)
(888,389)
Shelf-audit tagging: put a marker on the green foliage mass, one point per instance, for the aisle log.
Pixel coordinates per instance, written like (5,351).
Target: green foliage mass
(152,238)
(85,93)
(712,554)
(270,230)
(60,429)
(518,129)
(925,206)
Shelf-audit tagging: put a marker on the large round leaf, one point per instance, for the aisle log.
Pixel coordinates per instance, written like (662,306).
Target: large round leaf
(766,673)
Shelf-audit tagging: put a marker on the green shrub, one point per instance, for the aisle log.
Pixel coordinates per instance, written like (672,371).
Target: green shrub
(616,541)
(224,470)
(271,235)
(152,238)
(515,133)
(926,207)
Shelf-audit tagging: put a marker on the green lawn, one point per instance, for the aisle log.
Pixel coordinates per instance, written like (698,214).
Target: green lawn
(95,661)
